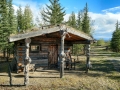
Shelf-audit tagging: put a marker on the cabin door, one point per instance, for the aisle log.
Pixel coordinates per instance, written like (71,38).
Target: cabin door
(53,56)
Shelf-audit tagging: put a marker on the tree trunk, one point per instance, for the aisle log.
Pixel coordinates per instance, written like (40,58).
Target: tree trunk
(88,58)
(62,54)
(27,62)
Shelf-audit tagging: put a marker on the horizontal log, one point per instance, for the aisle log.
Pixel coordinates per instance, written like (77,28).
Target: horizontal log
(80,42)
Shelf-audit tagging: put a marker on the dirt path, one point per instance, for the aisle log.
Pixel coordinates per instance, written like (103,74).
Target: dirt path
(98,51)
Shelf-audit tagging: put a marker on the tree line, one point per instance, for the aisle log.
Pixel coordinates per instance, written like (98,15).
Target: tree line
(11,23)
(115,41)
(53,14)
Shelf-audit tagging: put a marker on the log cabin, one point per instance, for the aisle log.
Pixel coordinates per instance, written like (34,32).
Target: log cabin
(45,47)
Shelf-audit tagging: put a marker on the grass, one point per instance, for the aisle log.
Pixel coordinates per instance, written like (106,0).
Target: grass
(102,76)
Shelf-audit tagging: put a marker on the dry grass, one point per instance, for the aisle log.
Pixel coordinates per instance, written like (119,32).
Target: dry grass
(102,76)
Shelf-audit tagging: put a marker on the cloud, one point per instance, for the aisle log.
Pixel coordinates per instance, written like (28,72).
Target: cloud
(112,9)
(35,7)
(104,24)
(15,8)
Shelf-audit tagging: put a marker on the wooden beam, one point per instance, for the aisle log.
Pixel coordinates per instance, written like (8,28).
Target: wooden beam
(81,42)
(33,34)
(88,58)
(76,34)
(27,61)
(62,54)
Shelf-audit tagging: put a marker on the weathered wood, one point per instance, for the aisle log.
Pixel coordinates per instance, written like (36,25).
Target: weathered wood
(33,34)
(80,42)
(9,73)
(88,58)
(27,61)
(62,54)
(47,32)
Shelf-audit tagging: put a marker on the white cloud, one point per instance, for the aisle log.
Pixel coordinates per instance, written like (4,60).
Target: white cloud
(66,17)
(104,24)
(15,8)
(35,7)
(112,9)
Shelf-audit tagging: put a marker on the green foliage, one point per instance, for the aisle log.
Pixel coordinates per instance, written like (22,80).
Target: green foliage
(27,18)
(12,18)
(7,23)
(101,42)
(20,19)
(79,22)
(72,20)
(78,49)
(54,13)
(4,29)
(24,20)
(86,21)
(115,41)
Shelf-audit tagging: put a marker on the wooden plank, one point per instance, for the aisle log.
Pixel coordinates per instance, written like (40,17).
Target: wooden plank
(27,61)
(81,42)
(33,34)
(52,31)
(40,61)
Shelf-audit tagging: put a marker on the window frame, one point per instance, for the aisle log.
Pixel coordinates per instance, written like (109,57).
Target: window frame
(37,50)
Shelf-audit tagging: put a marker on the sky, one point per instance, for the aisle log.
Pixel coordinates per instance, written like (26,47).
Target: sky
(103,13)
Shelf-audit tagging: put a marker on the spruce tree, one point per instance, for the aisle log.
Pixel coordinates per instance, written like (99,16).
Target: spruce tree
(4,30)
(79,20)
(115,41)
(86,21)
(12,18)
(27,18)
(7,24)
(20,19)
(72,20)
(54,13)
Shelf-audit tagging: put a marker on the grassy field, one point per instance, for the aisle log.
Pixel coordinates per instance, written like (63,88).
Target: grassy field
(104,75)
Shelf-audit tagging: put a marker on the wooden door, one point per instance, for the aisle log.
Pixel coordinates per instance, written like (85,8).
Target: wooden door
(53,56)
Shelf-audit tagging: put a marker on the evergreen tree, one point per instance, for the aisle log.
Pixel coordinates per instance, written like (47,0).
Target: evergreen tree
(117,26)
(27,18)
(20,19)
(4,31)
(6,24)
(86,21)
(54,13)
(72,20)
(12,18)
(115,41)
(79,20)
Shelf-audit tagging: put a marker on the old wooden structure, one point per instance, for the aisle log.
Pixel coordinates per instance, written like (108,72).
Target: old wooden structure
(45,47)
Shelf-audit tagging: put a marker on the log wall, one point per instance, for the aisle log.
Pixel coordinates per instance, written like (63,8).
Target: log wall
(41,57)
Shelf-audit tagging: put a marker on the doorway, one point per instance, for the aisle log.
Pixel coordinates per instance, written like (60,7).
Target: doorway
(53,56)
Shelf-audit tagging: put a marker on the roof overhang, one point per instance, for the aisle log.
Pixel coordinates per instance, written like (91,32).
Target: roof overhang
(73,34)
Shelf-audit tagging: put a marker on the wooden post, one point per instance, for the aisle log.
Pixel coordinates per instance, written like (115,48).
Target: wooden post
(27,61)
(62,56)
(9,73)
(88,58)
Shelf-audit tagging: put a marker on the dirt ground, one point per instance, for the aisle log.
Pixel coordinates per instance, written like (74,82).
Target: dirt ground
(104,75)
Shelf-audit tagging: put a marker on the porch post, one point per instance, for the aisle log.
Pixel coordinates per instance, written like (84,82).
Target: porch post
(88,58)
(62,54)
(27,61)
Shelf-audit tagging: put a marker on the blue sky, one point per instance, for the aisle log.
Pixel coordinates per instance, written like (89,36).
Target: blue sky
(104,13)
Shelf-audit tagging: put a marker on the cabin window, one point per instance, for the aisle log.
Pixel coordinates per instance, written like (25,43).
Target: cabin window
(35,48)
